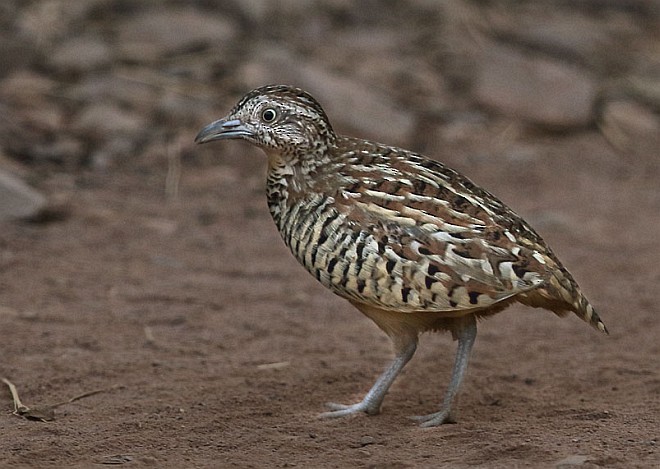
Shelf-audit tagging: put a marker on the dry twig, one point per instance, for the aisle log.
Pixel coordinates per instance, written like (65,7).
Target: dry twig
(44,413)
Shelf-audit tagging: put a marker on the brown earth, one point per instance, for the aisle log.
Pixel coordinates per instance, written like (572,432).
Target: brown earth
(156,276)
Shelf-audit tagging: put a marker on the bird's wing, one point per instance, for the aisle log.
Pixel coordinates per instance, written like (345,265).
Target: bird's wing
(427,239)
(442,273)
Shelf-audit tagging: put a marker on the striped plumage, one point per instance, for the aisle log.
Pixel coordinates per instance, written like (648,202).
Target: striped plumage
(412,244)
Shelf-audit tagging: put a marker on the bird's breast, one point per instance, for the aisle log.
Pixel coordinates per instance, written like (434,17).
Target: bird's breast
(335,250)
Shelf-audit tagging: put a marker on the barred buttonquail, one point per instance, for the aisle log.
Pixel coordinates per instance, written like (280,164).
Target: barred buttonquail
(412,244)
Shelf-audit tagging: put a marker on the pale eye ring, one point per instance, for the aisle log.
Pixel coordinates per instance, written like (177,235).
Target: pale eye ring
(268,115)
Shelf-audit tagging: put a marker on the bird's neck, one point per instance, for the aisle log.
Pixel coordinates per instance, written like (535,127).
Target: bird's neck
(290,177)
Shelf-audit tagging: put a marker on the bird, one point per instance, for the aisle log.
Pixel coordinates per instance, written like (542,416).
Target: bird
(411,243)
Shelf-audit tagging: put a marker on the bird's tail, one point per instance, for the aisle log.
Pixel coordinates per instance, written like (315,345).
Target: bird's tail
(561,294)
(584,310)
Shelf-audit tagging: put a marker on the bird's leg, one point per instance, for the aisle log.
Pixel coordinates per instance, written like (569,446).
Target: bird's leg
(466,333)
(374,398)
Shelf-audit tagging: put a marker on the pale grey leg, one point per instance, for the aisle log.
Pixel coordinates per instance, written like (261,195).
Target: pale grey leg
(374,398)
(466,335)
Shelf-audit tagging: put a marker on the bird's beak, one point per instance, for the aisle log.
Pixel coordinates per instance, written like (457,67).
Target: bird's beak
(222,129)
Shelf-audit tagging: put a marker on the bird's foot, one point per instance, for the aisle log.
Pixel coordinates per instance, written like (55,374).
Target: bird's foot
(435,419)
(342,410)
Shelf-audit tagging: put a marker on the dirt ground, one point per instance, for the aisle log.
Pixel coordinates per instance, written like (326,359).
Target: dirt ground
(156,276)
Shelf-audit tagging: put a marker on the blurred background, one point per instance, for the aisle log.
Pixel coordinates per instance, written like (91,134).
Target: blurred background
(130,256)
(101,84)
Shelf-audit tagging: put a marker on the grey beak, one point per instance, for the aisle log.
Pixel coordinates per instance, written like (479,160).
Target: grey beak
(222,129)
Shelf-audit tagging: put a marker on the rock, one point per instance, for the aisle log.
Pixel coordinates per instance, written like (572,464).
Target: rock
(16,52)
(566,35)
(112,131)
(256,11)
(378,59)
(646,88)
(64,150)
(105,87)
(632,118)
(119,148)
(629,125)
(80,54)
(48,20)
(17,199)
(29,105)
(8,13)
(25,87)
(181,109)
(375,41)
(157,33)
(539,90)
(367,111)
(106,119)
(291,11)
(367,440)
(33,134)
(49,117)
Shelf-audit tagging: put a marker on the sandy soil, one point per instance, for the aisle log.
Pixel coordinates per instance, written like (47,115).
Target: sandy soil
(168,289)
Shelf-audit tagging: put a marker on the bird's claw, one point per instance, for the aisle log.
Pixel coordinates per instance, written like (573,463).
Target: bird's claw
(435,419)
(342,410)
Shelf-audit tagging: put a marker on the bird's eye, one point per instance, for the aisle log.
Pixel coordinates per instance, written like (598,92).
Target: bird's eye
(268,115)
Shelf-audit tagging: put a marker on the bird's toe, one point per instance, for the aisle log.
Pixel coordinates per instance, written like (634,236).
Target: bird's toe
(435,419)
(342,410)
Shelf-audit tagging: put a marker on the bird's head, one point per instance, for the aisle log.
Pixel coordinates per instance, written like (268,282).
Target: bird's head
(282,120)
